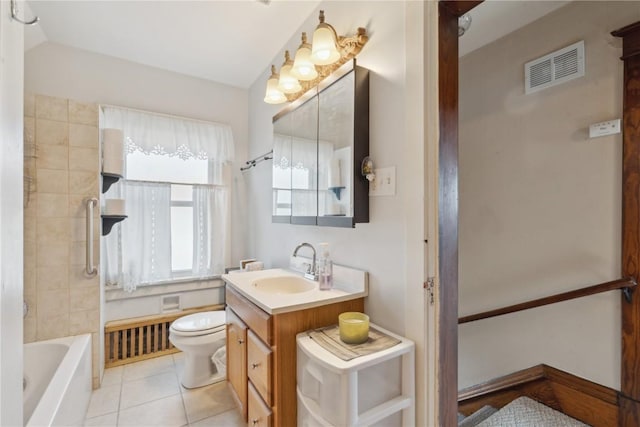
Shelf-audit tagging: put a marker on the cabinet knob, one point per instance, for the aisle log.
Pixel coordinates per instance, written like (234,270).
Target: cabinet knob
(254,365)
(240,341)
(255,421)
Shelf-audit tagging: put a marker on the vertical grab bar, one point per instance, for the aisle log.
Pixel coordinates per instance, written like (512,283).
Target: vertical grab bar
(90,269)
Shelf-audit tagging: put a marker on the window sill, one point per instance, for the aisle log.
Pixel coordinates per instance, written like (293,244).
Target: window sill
(169,287)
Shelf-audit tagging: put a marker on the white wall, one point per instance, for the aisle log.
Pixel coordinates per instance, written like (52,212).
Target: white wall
(391,246)
(11,279)
(65,72)
(378,246)
(540,203)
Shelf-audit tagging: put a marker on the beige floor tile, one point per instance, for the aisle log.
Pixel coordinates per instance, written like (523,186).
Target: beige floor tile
(207,401)
(104,401)
(109,420)
(148,368)
(230,418)
(163,412)
(148,389)
(112,376)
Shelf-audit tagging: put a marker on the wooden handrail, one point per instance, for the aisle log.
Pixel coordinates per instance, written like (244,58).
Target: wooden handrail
(625,284)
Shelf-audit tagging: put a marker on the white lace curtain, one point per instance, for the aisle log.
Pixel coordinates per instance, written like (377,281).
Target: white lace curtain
(138,252)
(209,230)
(172,136)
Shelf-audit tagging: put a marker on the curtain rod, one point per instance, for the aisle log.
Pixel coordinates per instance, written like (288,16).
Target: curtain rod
(251,163)
(170,116)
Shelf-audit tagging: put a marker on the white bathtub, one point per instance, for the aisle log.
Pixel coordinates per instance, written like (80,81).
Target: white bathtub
(57,377)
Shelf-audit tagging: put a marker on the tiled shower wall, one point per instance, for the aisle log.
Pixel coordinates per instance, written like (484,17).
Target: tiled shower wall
(61,168)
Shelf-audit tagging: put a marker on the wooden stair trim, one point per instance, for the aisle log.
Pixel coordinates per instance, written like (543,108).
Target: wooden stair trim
(577,397)
(506,382)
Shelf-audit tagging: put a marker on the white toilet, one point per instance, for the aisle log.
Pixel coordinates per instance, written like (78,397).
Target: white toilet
(201,336)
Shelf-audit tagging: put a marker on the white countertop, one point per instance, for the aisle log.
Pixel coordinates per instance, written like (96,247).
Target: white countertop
(348,284)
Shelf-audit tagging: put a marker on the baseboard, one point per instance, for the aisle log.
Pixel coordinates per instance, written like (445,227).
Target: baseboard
(581,399)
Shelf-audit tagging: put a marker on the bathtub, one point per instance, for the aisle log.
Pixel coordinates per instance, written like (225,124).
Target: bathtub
(57,381)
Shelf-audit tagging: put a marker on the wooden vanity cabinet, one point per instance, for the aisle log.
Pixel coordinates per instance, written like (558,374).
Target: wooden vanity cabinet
(269,387)
(237,360)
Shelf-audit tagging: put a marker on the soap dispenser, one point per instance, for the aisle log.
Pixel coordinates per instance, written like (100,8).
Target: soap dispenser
(325,268)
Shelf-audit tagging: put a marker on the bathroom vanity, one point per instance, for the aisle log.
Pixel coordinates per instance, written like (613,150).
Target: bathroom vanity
(265,311)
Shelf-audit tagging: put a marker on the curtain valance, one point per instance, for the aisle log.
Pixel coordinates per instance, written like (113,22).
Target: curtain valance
(153,133)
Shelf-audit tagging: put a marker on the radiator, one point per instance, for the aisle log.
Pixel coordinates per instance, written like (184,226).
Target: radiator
(140,338)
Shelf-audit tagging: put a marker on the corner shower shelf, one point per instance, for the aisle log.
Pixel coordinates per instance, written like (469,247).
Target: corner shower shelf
(108,179)
(108,221)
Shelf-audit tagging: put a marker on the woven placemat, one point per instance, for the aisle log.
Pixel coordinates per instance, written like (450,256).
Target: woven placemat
(329,339)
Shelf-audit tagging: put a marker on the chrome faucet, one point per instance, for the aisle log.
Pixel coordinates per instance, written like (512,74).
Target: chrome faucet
(311,269)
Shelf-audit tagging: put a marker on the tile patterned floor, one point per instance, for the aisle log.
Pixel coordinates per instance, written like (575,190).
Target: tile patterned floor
(149,393)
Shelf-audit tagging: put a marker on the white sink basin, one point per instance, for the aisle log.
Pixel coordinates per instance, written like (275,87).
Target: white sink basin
(283,285)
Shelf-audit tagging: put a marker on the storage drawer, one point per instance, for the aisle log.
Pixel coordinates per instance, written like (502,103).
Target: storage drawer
(259,360)
(259,414)
(257,319)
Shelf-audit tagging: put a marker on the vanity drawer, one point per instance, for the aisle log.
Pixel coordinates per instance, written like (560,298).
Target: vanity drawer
(257,319)
(259,414)
(259,361)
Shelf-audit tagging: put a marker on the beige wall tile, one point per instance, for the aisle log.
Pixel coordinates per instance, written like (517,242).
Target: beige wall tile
(52,326)
(29,331)
(81,322)
(29,105)
(53,205)
(52,303)
(30,253)
(29,275)
(81,299)
(48,107)
(80,112)
(78,278)
(32,303)
(52,254)
(29,225)
(83,135)
(52,230)
(30,210)
(85,183)
(52,181)
(95,353)
(79,232)
(78,253)
(84,159)
(52,157)
(29,136)
(52,278)
(78,206)
(51,132)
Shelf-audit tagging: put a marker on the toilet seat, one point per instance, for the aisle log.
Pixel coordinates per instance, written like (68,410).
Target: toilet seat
(204,323)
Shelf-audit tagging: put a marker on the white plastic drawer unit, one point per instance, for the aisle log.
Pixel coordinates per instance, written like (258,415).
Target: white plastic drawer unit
(373,390)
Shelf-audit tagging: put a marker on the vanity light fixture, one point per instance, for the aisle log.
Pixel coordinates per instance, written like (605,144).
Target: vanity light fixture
(274,95)
(313,62)
(324,50)
(303,69)
(287,83)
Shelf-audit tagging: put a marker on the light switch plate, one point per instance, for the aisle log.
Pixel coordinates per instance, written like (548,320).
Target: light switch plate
(384,183)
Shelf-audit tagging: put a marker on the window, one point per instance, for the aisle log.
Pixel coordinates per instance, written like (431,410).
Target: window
(176,195)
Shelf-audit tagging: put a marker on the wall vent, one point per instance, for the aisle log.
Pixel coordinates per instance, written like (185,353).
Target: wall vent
(555,68)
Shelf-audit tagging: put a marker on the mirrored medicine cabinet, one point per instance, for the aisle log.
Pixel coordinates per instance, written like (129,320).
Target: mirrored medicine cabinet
(319,142)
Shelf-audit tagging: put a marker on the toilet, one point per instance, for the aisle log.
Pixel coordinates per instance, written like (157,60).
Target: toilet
(201,337)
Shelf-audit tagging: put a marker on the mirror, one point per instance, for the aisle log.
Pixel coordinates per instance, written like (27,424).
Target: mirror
(319,142)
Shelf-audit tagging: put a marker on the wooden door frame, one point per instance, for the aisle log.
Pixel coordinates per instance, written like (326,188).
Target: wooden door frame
(448,63)
(448,13)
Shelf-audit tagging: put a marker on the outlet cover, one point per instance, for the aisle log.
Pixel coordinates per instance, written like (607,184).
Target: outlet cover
(384,183)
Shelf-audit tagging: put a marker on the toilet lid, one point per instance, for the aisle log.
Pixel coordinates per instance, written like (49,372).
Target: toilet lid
(198,322)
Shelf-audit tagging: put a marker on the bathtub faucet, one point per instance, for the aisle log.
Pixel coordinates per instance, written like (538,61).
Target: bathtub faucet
(311,269)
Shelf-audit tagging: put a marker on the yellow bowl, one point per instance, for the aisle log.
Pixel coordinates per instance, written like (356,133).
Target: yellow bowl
(354,327)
